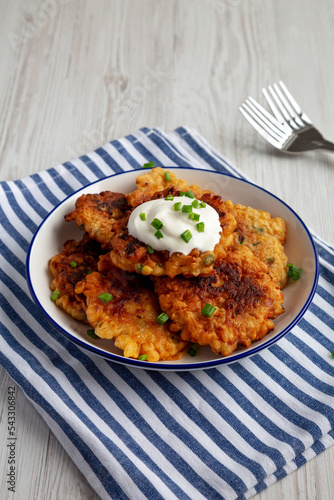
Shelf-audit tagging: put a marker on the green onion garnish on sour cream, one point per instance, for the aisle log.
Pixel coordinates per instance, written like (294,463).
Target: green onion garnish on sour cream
(186,236)
(165,222)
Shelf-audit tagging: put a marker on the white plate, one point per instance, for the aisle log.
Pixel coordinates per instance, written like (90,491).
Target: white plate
(54,231)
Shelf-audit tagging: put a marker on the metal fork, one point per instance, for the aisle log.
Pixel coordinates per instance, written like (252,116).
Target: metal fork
(288,129)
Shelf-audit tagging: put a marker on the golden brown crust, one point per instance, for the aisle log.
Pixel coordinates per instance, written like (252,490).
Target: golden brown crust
(251,219)
(97,214)
(130,316)
(264,236)
(152,182)
(245,297)
(84,256)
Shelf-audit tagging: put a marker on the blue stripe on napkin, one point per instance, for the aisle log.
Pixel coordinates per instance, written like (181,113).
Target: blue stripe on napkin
(224,433)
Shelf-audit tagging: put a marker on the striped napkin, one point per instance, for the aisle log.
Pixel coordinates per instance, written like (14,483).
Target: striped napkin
(223,433)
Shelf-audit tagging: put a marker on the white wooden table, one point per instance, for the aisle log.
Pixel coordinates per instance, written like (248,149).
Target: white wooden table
(76,74)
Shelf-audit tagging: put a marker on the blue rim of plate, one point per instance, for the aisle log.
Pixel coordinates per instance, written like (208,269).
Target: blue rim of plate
(166,366)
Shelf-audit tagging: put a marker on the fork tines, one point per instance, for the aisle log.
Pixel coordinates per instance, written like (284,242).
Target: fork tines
(287,114)
(288,128)
(271,129)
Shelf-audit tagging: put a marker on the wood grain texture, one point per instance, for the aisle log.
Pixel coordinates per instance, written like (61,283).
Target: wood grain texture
(76,74)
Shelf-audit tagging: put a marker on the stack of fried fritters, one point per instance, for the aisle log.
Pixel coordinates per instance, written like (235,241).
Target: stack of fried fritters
(125,292)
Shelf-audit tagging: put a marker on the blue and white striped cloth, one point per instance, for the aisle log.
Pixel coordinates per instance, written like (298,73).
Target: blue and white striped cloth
(224,433)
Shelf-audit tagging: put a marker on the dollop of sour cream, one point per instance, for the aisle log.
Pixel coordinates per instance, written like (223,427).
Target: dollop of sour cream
(204,228)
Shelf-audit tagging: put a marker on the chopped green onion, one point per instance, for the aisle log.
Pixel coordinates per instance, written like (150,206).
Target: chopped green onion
(177,206)
(209,259)
(208,310)
(143,216)
(73,264)
(294,272)
(105,297)
(182,193)
(271,259)
(149,249)
(167,175)
(142,357)
(194,216)
(190,194)
(258,229)
(158,234)
(162,318)
(91,333)
(150,164)
(200,227)
(193,350)
(333,354)
(89,271)
(242,238)
(139,267)
(186,236)
(195,203)
(202,204)
(169,197)
(187,208)
(156,223)
(257,243)
(55,295)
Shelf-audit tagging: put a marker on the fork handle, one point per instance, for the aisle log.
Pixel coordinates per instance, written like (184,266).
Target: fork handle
(324,144)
